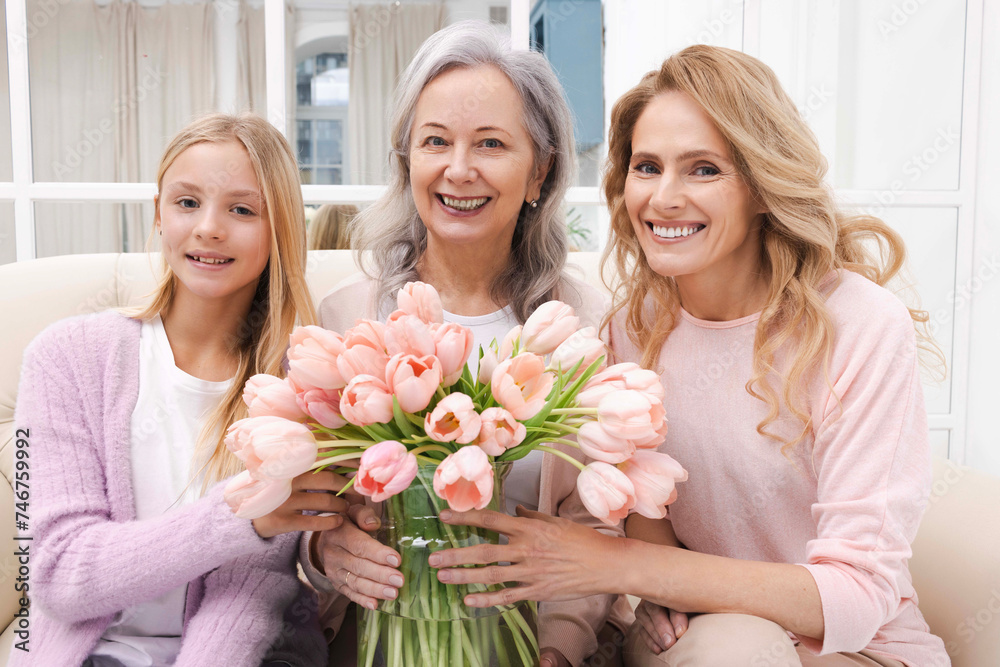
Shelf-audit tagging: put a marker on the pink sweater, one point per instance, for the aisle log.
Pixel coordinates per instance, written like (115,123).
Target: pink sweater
(848,504)
(90,558)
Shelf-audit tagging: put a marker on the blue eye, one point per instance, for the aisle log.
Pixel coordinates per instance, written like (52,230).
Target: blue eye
(434,141)
(492,143)
(645,168)
(706,170)
(242,210)
(188,203)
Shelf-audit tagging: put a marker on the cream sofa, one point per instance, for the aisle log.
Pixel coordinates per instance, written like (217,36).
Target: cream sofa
(956,562)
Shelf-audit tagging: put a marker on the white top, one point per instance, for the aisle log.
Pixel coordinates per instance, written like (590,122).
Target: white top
(523,481)
(170,411)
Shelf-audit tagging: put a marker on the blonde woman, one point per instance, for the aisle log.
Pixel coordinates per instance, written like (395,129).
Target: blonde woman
(328,230)
(132,564)
(793,394)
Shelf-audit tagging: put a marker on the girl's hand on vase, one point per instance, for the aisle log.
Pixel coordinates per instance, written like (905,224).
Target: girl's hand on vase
(358,565)
(551,557)
(311,492)
(660,627)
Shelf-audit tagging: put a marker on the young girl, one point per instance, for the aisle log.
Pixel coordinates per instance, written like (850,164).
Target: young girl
(132,564)
(793,394)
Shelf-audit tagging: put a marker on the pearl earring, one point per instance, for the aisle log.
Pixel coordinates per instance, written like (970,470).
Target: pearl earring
(533,203)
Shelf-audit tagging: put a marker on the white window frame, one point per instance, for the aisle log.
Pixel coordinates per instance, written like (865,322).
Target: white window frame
(23,192)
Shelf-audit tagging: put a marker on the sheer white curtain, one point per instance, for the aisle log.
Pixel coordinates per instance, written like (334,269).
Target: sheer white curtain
(109,86)
(383,39)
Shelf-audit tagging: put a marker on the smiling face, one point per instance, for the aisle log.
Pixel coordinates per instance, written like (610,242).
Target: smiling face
(215,235)
(471,159)
(693,214)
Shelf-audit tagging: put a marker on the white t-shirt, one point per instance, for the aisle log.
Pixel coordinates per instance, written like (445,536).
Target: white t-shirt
(169,414)
(523,484)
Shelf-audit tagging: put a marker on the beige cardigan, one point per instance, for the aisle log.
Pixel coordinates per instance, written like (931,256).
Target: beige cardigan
(571,626)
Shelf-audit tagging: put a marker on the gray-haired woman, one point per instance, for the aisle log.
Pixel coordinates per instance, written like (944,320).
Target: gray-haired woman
(482,155)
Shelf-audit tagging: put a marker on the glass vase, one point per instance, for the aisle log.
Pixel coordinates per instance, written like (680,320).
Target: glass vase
(428,624)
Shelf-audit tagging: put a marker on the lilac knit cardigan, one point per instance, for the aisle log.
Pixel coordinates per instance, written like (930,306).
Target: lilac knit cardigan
(90,557)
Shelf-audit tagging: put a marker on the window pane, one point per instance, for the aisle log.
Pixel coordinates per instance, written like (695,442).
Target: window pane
(8,246)
(931,237)
(887,108)
(571,36)
(328,141)
(304,141)
(111,83)
(69,228)
(583,224)
(6,167)
(328,176)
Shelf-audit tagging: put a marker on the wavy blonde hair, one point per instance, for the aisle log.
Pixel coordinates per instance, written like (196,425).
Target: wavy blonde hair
(282,299)
(804,235)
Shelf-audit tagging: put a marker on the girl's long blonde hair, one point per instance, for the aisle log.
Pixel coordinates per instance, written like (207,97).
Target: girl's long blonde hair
(804,236)
(282,299)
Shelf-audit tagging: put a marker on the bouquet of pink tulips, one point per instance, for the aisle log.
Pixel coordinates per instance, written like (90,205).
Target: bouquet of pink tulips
(399,398)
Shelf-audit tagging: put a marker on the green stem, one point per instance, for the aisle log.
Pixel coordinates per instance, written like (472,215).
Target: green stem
(573,411)
(559,426)
(430,448)
(562,455)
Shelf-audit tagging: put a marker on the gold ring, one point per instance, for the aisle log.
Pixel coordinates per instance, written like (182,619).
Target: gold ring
(348,581)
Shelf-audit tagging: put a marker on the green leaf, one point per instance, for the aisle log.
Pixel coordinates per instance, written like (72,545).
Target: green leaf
(402,423)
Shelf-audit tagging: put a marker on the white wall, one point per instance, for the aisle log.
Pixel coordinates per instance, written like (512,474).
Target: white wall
(982,449)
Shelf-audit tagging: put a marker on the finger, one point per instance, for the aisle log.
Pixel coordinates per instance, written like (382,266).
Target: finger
(364,546)
(324,480)
(501,597)
(364,517)
(492,574)
(480,554)
(523,511)
(680,622)
(487,519)
(301,501)
(652,638)
(363,581)
(663,629)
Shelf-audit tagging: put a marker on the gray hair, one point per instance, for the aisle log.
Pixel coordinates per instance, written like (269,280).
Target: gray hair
(390,230)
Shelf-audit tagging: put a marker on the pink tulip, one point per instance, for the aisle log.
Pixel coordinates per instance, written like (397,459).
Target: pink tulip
(454,418)
(521,385)
(499,431)
(366,400)
(368,333)
(323,405)
(591,394)
(272,447)
(487,364)
(413,380)
(408,334)
(596,443)
(654,476)
(507,344)
(312,358)
(465,479)
(386,468)
(581,346)
(272,399)
(547,327)
(629,375)
(452,345)
(420,300)
(251,498)
(606,492)
(361,359)
(631,415)
(255,384)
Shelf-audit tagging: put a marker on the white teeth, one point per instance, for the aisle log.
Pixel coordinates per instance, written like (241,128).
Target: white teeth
(209,260)
(464,204)
(674,232)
